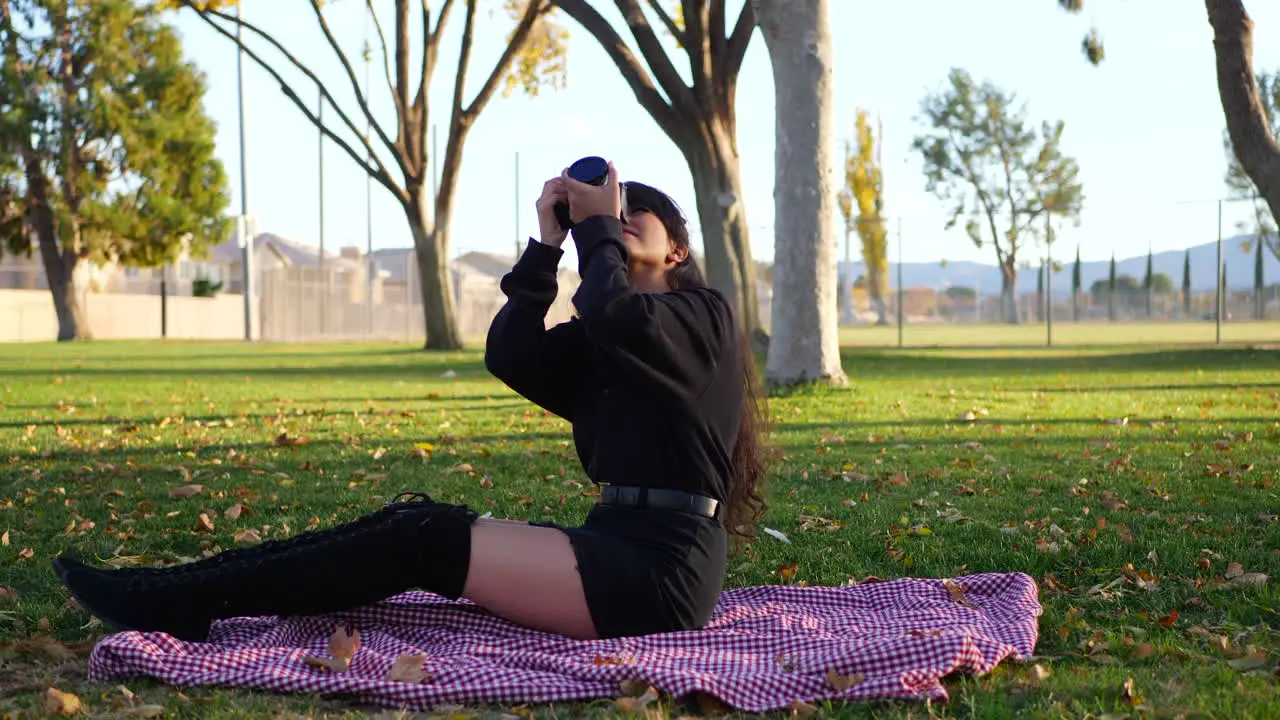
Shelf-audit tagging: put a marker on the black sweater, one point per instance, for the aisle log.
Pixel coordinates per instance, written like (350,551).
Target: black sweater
(652,382)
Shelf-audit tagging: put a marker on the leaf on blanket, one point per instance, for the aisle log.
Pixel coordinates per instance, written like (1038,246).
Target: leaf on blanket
(408,669)
(843,682)
(344,643)
(334,664)
(801,708)
(57,702)
(637,704)
(956,591)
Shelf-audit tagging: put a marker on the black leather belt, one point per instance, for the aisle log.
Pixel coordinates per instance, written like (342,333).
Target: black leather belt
(642,497)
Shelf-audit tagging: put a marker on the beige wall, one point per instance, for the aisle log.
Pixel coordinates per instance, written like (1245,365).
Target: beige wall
(28,316)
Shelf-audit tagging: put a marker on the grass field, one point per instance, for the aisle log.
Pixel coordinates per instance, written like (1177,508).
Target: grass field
(1136,484)
(1065,334)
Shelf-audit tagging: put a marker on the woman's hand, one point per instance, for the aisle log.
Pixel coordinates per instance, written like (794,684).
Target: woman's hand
(553,191)
(590,200)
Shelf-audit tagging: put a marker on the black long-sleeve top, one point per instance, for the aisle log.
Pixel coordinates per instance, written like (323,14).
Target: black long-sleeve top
(652,382)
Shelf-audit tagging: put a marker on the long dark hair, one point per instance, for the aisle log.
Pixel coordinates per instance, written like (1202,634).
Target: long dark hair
(745,505)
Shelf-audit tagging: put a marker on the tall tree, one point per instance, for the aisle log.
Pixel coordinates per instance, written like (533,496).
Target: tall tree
(1249,106)
(1147,279)
(1111,290)
(532,59)
(844,199)
(805,346)
(1076,279)
(1040,300)
(1186,284)
(864,187)
(1239,183)
(700,117)
(982,156)
(111,158)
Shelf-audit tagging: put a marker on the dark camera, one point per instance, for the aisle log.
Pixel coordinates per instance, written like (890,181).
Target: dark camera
(590,170)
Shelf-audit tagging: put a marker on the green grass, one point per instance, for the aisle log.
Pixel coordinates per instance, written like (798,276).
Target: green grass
(99,433)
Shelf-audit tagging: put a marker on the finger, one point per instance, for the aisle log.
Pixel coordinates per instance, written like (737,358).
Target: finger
(613,175)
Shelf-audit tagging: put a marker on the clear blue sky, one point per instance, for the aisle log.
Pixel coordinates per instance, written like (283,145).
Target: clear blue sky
(1146,126)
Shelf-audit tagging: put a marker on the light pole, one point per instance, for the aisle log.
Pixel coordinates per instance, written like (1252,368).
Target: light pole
(244,227)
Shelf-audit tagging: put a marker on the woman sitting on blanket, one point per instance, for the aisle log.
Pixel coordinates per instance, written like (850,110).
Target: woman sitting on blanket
(659,385)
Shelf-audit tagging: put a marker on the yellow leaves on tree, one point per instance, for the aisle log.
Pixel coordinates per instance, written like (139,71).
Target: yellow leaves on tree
(861,201)
(540,62)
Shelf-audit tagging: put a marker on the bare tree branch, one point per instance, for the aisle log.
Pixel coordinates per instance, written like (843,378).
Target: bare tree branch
(457,114)
(667,20)
(355,84)
(627,63)
(431,50)
(656,57)
(738,41)
(324,90)
(378,172)
(716,32)
(698,48)
(534,10)
(386,58)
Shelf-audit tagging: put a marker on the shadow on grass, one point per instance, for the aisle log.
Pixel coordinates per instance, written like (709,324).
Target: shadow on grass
(865,364)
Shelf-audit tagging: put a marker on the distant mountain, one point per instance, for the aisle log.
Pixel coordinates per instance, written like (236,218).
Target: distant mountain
(986,278)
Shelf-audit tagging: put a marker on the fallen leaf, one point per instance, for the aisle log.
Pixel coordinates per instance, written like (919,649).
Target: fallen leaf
(1128,695)
(283,440)
(1117,421)
(186,491)
(956,590)
(1144,651)
(1038,674)
(204,524)
(344,643)
(788,572)
(843,682)
(8,593)
(633,688)
(408,669)
(1034,491)
(57,702)
(1248,579)
(637,704)
(967,416)
(26,554)
(1252,661)
(1126,535)
(234,511)
(248,536)
(4,538)
(330,663)
(1234,570)
(801,708)
(146,711)
(1168,620)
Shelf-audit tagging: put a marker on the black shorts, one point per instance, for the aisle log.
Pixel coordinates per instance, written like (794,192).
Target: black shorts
(646,570)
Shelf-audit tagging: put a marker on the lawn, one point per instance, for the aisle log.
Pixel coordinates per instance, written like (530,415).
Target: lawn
(1136,484)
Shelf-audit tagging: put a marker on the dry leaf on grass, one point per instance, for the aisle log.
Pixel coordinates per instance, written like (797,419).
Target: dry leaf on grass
(57,702)
(1038,674)
(235,511)
(1234,570)
(1128,695)
(204,524)
(843,682)
(7,593)
(1252,661)
(1248,579)
(283,440)
(637,704)
(248,536)
(801,708)
(408,669)
(186,491)
(4,538)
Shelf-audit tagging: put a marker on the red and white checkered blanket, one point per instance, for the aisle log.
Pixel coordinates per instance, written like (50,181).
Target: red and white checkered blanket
(764,648)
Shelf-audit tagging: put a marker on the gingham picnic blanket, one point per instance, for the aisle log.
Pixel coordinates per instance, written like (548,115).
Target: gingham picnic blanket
(764,648)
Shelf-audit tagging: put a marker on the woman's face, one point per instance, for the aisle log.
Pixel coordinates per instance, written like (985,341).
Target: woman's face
(649,246)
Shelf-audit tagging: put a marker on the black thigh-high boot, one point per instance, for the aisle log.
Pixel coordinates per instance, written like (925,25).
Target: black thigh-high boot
(405,545)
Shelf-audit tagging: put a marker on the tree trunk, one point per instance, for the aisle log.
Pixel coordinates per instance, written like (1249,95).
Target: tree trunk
(1075,306)
(1009,291)
(875,288)
(431,250)
(59,264)
(717,186)
(1247,123)
(805,344)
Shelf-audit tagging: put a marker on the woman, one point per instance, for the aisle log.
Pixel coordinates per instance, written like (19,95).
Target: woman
(660,390)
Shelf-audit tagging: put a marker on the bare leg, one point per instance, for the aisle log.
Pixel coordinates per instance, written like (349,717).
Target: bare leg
(528,574)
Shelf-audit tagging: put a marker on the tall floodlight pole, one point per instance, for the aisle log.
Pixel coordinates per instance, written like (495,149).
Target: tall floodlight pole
(244,228)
